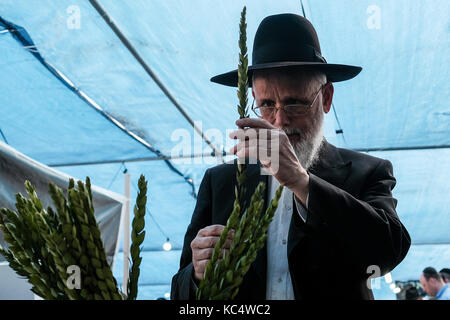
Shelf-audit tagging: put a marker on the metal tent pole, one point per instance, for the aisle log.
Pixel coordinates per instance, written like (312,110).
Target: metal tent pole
(126,234)
(149,71)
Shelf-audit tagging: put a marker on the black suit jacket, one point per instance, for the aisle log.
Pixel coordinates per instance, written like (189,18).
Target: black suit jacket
(351,225)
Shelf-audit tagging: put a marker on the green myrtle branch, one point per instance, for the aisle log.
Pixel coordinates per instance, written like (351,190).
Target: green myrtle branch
(42,244)
(137,237)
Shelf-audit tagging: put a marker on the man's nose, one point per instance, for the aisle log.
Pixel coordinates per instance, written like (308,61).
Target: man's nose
(281,119)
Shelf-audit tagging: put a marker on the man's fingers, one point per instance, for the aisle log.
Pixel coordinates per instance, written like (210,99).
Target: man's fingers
(202,254)
(262,144)
(239,146)
(255,133)
(199,267)
(254,153)
(201,258)
(203,247)
(247,153)
(208,242)
(245,134)
(206,254)
(212,230)
(254,123)
(204,242)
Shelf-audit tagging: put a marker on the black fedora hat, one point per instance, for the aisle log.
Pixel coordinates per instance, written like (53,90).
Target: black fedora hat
(288,40)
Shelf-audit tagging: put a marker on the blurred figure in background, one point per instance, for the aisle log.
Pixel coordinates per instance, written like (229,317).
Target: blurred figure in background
(412,293)
(445,274)
(433,284)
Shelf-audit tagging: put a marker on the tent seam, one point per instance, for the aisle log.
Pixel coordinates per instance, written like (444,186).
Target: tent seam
(21,35)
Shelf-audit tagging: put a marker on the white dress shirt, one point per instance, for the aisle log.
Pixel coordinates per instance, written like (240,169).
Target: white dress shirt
(279,283)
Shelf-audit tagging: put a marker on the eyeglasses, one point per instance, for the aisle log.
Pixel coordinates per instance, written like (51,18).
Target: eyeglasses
(292,110)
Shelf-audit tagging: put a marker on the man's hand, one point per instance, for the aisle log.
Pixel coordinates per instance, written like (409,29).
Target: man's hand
(203,246)
(259,140)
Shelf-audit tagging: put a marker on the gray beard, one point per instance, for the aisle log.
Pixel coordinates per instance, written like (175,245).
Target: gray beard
(308,148)
(307,151)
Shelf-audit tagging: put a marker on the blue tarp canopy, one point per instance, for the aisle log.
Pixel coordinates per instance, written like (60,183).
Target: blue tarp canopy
(73,96)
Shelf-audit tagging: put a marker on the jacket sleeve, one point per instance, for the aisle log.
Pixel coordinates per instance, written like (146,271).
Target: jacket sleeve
(182,281)
(367,229)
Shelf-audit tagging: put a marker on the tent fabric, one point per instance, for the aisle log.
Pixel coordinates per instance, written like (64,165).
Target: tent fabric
(13,287)
(16,168)
(397,105)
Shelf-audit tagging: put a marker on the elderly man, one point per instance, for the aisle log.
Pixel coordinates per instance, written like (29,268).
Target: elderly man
(336,220)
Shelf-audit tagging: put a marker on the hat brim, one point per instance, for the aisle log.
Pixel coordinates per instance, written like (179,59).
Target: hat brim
(334,72)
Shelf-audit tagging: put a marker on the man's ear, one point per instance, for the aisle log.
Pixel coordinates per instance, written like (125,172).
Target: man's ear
(327,97)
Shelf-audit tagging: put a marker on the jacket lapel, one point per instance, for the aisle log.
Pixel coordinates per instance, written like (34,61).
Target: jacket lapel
(331,168)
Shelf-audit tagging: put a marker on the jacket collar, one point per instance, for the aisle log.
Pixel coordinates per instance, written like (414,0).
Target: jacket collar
(330,163)
(330,167)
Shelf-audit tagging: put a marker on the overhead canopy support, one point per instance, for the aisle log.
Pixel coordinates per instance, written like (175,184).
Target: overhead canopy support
(149,71)
(22,36)
(205,155)
(191,156)
(402,148)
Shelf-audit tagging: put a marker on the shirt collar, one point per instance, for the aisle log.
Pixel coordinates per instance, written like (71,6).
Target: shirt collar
(441,292)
